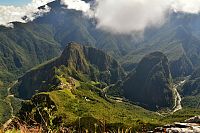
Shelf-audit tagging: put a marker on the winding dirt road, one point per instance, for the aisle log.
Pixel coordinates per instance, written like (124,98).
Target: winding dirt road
(178,99)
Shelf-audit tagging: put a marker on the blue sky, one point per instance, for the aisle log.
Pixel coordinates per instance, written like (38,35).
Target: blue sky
(14,2)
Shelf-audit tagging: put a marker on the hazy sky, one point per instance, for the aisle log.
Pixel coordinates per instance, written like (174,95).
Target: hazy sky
(14,2)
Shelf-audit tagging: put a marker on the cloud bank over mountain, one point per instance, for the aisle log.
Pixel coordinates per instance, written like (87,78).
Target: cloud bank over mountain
(127,16)
(121,16)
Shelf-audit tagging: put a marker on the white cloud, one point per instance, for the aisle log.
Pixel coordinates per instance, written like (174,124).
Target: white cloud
(118,16)
(188,6)
(128,16)
(125,16)
(12,13)
(77,5)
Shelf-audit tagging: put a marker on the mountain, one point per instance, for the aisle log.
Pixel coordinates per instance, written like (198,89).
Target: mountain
(23,47)
(75,26)
(178,39)
(27,45)
(81,88)
(191,91)
(77,62)
(150,84)
(170,44)
(69,93)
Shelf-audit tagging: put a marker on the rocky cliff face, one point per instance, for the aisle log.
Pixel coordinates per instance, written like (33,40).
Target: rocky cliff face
(150,83)
(79,62)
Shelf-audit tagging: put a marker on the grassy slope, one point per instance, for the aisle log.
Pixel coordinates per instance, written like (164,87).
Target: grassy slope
(72,104)
(23,47)
(4,111)
(5,107)
(5,104)
(99,108)
(180,115)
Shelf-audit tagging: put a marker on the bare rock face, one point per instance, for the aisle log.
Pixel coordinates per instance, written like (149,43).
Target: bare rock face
(191,125)
(195,119)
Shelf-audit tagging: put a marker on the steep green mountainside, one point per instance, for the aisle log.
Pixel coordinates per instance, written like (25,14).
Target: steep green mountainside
(84,106)
(178,38)
(27,45)
(81,63)
(73,86)
(180,47)
(9,105)
(150,84)
(191,91)
(81,106)
(74,26)
(23,47)
(71,92)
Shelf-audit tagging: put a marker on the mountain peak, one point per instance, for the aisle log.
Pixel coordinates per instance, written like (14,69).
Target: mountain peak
(70,47)
(82,57)
(150,83)
(79,62)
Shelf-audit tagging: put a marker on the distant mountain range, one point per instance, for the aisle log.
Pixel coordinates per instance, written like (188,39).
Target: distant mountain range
(30,44)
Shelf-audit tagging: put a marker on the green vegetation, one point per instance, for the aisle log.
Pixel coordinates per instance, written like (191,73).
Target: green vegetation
(86,102)
(5,111)
(27,45)
(177,39)
(79,62)
(5,107)
(16,104)
(8,104)
(152,79)
(191,101)
(75,85)
(181,115)
(22,48)
(191,91)
(82,107)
